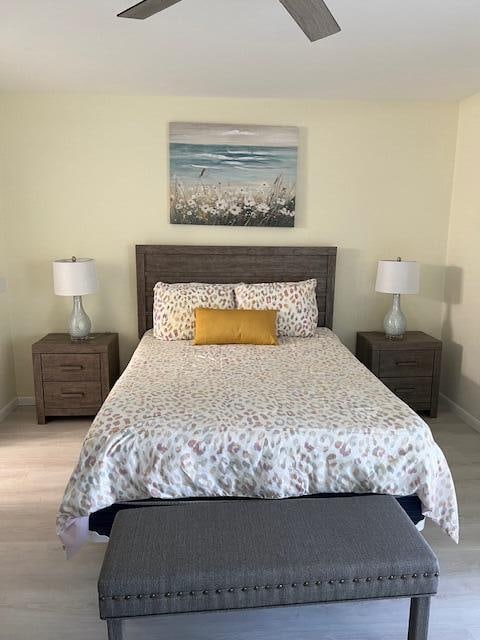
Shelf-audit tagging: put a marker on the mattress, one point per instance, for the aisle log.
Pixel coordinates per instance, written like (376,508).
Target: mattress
(296,419)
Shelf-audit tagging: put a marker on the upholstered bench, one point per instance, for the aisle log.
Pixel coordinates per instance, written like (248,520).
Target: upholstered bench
(204,556)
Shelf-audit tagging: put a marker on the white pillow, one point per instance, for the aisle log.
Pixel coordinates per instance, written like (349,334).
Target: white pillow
(296,303)
(174,306)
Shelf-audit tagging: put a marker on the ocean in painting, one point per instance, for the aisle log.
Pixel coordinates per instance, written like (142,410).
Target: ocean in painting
(232,184)
(226,164)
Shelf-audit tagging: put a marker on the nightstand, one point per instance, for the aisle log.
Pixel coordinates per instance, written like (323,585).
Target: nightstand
(409,367)
(73,378)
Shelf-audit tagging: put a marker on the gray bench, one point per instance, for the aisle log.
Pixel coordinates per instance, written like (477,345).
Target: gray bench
(205,556)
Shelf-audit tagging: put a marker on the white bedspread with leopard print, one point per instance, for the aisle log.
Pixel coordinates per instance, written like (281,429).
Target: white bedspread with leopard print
(241,420)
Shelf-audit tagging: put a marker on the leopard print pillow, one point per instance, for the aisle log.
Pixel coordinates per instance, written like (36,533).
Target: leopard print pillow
(174,306)
(296,303)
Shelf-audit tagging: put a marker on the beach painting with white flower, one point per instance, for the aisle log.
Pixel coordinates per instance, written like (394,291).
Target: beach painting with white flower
(237,175)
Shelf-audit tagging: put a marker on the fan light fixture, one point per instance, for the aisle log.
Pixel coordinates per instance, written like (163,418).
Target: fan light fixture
(312,16)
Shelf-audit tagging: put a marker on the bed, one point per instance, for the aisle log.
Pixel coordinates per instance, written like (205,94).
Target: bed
(245,421)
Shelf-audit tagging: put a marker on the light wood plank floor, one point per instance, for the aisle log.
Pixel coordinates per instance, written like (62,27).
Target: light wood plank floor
(44,597)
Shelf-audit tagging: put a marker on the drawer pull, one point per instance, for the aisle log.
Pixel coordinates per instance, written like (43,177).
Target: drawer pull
(404,389)
(72,394)
(407,363)
(72,367)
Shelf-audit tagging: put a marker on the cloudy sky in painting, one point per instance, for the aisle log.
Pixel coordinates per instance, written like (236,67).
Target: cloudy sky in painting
(228,134)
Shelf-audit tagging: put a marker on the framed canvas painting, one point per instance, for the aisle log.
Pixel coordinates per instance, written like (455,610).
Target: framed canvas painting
(237,175)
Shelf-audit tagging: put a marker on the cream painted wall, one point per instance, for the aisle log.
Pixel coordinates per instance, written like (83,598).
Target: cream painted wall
(461,379)
(88,176)
(7,371)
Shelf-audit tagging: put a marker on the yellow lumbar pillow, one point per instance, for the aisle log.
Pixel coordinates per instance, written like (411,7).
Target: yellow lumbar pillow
(235,326)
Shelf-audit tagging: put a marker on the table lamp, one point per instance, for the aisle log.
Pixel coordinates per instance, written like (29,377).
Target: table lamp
(76,277)
(397,277)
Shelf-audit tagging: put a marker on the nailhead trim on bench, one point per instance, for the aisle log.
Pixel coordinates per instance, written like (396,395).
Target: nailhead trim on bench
(206,592)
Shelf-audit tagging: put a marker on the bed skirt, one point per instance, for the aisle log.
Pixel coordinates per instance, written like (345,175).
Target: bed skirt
(101,521)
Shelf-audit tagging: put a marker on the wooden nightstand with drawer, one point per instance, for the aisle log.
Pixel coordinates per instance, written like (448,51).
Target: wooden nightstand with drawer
(73,378)
(409,367)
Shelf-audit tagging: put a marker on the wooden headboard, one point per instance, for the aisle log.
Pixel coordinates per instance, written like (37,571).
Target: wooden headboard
(174,263)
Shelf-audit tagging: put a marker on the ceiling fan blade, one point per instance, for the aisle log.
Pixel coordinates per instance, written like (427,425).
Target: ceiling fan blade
(146,9)
(313,17)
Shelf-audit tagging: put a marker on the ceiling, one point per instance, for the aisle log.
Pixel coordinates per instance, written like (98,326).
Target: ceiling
(387,49)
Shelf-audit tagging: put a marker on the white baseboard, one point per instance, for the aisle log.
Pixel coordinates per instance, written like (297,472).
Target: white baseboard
(8,408)
(22,401)
(464,415)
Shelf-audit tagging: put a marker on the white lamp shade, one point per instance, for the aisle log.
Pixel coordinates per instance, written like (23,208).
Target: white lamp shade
(394,276)
(74,277)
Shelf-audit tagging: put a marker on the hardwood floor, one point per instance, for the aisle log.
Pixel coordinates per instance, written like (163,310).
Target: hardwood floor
(44,597)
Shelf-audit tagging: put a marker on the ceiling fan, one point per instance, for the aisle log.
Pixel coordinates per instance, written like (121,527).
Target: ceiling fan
(312,16)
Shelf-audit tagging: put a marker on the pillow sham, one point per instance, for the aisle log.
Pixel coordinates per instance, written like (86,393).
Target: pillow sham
(235,326)
(174,306)
(296,303)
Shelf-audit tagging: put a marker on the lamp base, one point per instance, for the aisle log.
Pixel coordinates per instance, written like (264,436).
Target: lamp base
(395,323)
(80,324)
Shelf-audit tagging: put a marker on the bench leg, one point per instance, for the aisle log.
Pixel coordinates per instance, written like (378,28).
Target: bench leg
(419,614)
(115,629)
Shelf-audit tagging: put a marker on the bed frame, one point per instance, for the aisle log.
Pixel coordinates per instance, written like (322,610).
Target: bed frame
(177,263)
